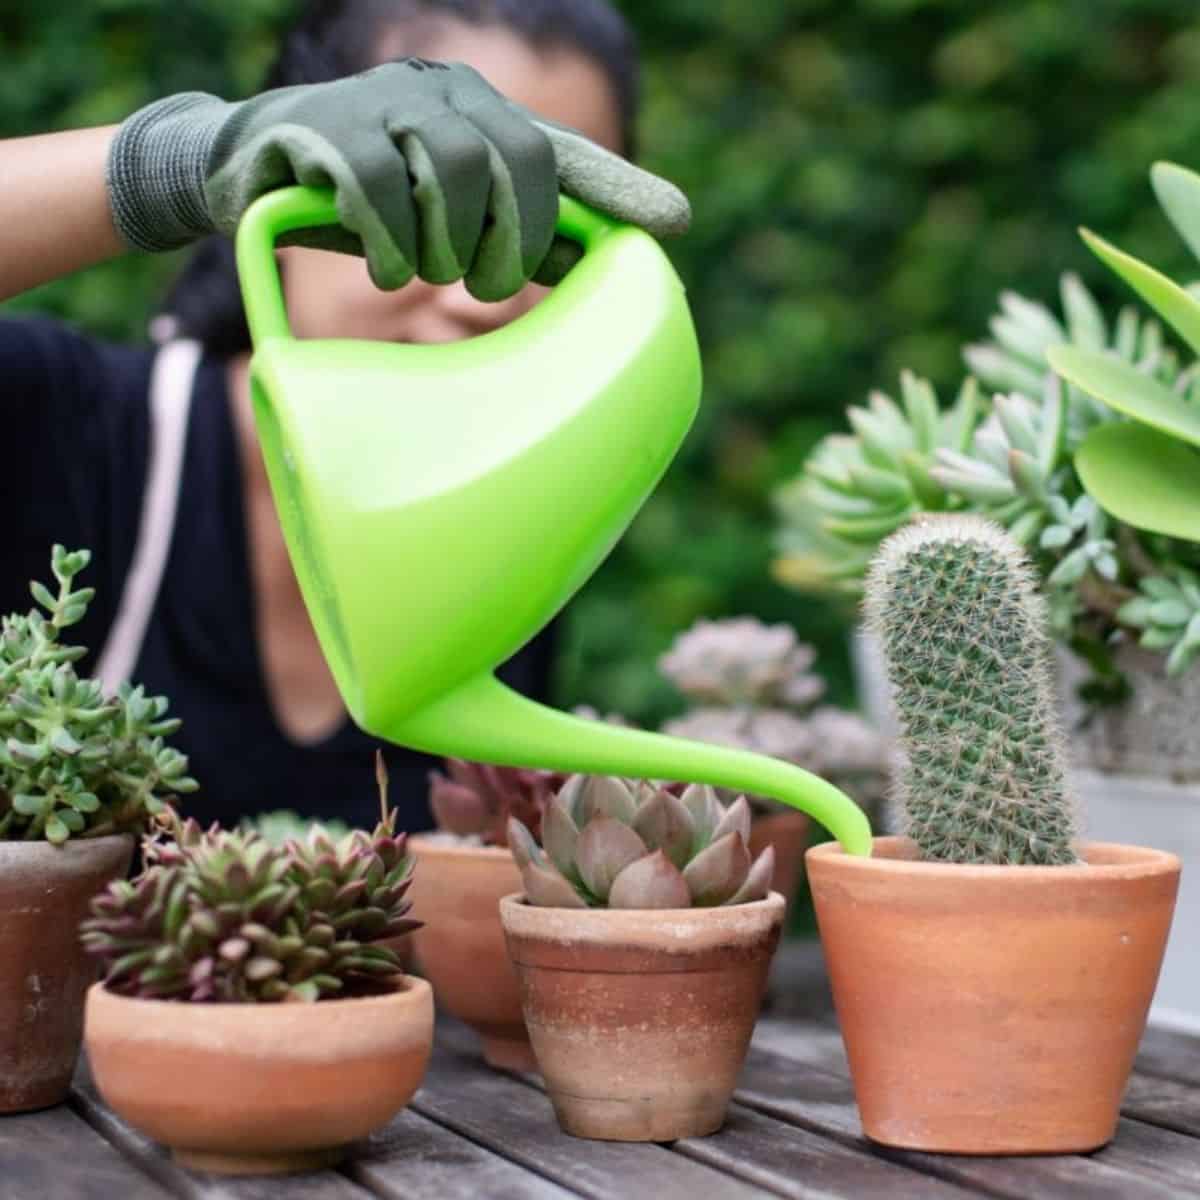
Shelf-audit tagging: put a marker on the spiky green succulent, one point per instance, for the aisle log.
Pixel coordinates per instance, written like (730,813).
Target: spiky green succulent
(963,630)
(475,800)
(609,845)
(74,762)
(229,917)
(1167,611)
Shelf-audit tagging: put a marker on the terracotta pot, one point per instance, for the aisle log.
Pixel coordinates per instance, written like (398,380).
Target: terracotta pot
(992,1010)
(259,1089)
(44,973)
(641,1019)
(456,891)
(788,833)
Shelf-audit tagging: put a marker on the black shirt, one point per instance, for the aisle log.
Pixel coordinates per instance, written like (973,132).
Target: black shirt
(75,419)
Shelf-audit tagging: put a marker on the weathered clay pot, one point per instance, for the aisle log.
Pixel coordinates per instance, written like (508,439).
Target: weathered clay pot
(259,1089)
(641,1019)
(44,973)
(992,1010)
(456,891)
(788,833)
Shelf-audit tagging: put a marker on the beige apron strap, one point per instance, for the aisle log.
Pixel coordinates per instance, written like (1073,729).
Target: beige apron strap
(171,383)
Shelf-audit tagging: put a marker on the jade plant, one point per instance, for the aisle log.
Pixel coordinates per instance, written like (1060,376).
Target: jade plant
(953,599)
(474,801)
(606,844)
(227,916)
(73,761)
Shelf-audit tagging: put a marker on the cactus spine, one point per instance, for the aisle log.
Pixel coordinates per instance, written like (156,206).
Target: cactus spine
(954,602)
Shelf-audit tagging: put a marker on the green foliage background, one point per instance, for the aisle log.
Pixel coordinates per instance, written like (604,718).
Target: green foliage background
(866,178)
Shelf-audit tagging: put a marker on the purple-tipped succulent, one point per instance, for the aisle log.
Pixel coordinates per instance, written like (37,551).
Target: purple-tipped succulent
(477,800)
(608,845)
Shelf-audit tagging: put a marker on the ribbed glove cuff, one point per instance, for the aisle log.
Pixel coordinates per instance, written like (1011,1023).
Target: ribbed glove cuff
(156,170)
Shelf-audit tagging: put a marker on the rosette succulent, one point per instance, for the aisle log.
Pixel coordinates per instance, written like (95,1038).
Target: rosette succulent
(227,916)
(610,845)
(476,800)
(73,761)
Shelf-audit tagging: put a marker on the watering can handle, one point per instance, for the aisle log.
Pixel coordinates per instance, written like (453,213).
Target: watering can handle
(286,209)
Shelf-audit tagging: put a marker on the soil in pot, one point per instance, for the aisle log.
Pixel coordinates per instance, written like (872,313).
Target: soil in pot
(259,1088)
(641,1019)
(456,891)
(990,1009)
(44,973)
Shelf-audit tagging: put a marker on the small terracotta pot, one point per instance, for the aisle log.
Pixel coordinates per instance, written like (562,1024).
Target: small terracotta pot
(44,972)
(456,891)
(788,833)
(259,1089)
(641,1019)
(992,1010)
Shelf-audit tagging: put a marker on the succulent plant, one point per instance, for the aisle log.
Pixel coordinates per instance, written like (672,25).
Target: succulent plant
(610,845)
(227,916)
(1167,611)
(284,825)
(74,762)
(477,799)
(954,602)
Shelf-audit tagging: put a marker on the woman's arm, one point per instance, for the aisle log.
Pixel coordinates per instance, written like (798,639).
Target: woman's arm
(54,210)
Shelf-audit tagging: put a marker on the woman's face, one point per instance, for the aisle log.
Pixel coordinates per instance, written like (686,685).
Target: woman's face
(331,295)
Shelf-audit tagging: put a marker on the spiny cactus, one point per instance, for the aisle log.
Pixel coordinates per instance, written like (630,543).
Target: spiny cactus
(964,633)
(477,799)
(608,845)
(74,762)
(227,916)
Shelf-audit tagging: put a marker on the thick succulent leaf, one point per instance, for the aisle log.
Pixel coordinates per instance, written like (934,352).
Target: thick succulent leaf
(758,879)
(1178,191)
(456,809)
(735,820)
(1142,477)
(570,796)
(651,882)
(606,846)
(704,808)
(717,872)
(546,888)
(663,823)
(605,796)
(523,845)
(560,835)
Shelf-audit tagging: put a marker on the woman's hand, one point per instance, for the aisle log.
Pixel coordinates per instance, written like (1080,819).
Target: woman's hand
(436,174)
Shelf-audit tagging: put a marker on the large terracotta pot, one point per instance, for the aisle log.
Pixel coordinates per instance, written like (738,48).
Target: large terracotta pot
(788,833)
(257,1089)
(992,1010)
(456,891)
(44,973)
(641,1019)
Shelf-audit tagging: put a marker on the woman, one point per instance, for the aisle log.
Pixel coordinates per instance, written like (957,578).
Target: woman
(448,192)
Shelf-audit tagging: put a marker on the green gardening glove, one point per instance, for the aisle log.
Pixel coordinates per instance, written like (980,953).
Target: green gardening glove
(436,174)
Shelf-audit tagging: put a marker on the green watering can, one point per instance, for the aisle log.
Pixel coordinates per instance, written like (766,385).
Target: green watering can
(442,503)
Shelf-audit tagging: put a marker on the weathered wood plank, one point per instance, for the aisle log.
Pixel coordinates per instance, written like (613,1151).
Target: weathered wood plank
(1165,1102)
(514,1119)
(823,1101)
(416,1159)
(1170,1056)
(194,1185)
(804,1041)
(795,1162)
(54,1154)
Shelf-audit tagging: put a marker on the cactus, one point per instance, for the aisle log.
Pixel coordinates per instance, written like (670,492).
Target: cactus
(608,845)
(953,600)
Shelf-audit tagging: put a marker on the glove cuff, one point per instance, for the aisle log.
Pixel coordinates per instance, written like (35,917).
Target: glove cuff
(155,171)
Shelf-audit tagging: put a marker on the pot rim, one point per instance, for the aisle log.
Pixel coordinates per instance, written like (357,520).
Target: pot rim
(438,849)
(414,988)
(1141,862)
(19,848)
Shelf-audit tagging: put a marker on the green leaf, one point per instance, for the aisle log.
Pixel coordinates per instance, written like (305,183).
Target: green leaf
(56,831)
(1085,321)
(1142,477)
(1178,191)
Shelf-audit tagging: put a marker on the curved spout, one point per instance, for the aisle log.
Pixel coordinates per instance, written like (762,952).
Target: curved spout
(485,721)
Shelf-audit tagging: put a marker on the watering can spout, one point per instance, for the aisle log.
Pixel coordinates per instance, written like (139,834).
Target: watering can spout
(485,720)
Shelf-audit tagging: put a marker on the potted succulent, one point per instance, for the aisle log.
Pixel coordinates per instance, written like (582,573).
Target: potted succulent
(466,868)
(992,974)
(642,940)
(80,773)
(752,686)
(253,1014)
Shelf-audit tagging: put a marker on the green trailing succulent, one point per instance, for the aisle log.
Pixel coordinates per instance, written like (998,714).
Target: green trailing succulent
(954,601)
(73,761)
(606,844)
(220,916)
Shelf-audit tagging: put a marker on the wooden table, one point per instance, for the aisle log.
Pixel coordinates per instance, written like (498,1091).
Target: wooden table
(475,1134)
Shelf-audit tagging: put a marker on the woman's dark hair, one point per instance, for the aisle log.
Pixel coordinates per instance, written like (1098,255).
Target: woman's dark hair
(333,38)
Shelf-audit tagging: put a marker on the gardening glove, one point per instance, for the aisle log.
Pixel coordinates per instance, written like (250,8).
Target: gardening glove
(435,173)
